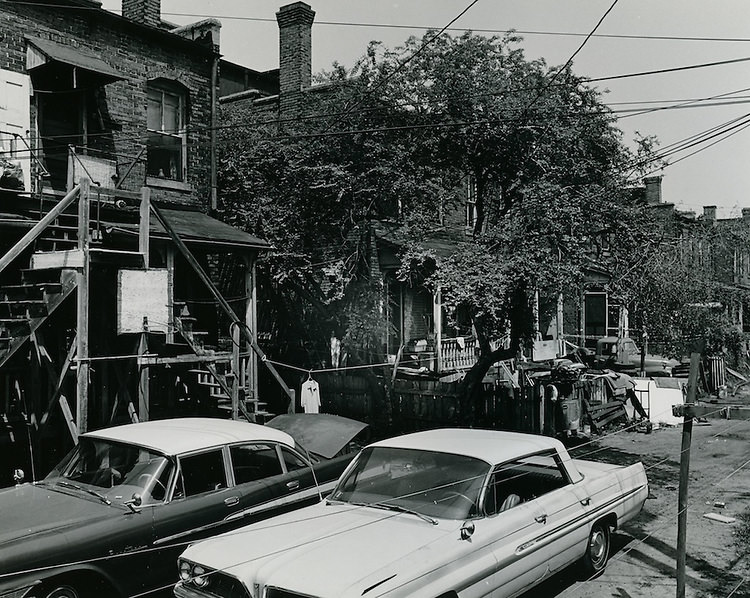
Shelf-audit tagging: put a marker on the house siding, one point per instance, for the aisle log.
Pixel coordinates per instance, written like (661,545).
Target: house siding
(139,54)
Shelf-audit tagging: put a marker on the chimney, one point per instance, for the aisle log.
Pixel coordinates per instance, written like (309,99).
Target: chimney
(709,213)
(295,53)
(145,12)
(653,189)
(746,214)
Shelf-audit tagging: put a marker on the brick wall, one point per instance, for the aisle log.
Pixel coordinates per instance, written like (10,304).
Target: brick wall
(139,54)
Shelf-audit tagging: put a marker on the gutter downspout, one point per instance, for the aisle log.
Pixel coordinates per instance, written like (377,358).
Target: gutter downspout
(212,143)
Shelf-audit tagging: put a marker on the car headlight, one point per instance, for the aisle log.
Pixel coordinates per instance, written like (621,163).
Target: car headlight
(194,574)
(200,577)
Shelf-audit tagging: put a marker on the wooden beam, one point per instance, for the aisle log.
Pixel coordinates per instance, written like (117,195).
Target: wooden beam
(144,226)
(37,229)
(144,394)
(682,493)
(60,381)
(228,311)
(711,411)
(82,312)
(151,360)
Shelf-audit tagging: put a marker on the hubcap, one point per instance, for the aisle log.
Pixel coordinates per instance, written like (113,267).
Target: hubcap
(597,547)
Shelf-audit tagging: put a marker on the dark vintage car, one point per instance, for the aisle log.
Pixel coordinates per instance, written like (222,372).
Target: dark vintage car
(112,517)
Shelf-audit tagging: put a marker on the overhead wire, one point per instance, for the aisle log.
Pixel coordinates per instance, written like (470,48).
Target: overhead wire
(413,26)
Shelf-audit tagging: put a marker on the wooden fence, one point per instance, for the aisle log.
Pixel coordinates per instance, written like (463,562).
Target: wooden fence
(419,404)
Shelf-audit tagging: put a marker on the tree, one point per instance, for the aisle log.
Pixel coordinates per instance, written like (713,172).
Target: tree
(394,138)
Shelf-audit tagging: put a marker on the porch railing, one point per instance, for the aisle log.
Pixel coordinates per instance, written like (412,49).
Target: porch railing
(457,354)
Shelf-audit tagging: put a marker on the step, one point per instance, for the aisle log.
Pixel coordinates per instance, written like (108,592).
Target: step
(14,292)
(32,308)
(37,277)
(16,327)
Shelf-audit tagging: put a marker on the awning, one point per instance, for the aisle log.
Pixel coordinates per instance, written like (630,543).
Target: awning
(197,227)
(41,52)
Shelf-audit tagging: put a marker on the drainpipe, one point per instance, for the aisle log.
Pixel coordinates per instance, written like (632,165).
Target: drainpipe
(214,101)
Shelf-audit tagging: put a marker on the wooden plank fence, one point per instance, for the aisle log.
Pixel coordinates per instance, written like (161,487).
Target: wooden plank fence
(420,404)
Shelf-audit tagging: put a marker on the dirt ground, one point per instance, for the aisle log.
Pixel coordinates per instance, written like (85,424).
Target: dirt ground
(643,559)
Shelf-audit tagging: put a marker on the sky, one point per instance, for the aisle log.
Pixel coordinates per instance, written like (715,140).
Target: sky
(635,36)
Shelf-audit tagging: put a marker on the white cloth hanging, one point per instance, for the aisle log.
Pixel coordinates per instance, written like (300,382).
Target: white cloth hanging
(310,396)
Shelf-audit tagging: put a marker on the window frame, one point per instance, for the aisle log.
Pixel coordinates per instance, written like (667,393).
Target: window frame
(516,462)
(165,89)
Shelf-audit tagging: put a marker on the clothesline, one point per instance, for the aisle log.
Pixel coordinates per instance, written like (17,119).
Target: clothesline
(339,369)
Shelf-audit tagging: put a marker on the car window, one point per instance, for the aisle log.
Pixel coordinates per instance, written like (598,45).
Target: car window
(255,461)
(117,469)
(526,478)
(292,460)
(201,473)
(433,483)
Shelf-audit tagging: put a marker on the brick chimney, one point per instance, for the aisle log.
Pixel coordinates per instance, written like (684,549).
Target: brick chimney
(146,12)
(295,53)
(746,214)
(709,213)
(653,189)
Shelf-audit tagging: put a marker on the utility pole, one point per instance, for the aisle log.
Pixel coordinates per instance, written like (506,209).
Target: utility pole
(682,499)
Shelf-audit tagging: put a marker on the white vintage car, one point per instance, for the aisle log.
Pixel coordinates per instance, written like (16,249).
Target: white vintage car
(437,514)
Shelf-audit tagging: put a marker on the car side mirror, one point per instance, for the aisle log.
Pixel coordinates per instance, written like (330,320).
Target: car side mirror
(467,530)
(134,503)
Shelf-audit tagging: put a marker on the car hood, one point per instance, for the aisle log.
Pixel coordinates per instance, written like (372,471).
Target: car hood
(321,433)
(329,549)
(31,510)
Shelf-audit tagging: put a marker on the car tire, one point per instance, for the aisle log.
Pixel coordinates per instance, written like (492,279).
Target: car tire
(597,550)
(61,591)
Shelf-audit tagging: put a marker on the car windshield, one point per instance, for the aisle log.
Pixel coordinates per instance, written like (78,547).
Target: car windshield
(434,484)
(114,470)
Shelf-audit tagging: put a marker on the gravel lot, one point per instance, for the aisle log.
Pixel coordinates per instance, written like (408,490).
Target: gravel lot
(643,560)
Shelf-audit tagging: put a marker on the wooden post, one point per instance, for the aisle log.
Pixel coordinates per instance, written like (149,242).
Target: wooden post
(682,500)
(437,316)
(170,294)
(237,376)
(144,227)
(82,317)
(143,381)
(251,321)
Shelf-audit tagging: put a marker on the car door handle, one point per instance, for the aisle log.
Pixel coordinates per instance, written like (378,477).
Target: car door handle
(293,485)
(586,501)
(541,518)
(231,501)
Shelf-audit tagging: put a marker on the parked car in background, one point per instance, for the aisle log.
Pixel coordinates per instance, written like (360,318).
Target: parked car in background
(111,519)
(620,353)
(433,514)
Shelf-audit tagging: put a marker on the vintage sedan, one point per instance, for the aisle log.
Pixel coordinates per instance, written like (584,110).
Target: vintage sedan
(436,514)
(114,515)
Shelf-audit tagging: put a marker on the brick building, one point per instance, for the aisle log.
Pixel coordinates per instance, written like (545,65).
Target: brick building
(108,127)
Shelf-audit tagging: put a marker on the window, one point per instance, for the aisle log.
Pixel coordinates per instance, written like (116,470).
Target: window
(201,473)
(526,479)
(292,460)
(166,139)
(252,462)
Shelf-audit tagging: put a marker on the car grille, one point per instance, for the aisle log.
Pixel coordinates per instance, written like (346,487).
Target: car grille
(225,586)
(279,593)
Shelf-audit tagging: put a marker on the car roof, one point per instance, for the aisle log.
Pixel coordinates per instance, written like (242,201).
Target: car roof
(183,435)
(492,446)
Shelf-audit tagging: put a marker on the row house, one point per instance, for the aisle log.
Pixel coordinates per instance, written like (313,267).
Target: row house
(121,297)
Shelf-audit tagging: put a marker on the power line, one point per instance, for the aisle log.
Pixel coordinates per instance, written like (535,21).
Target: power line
(420,27)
